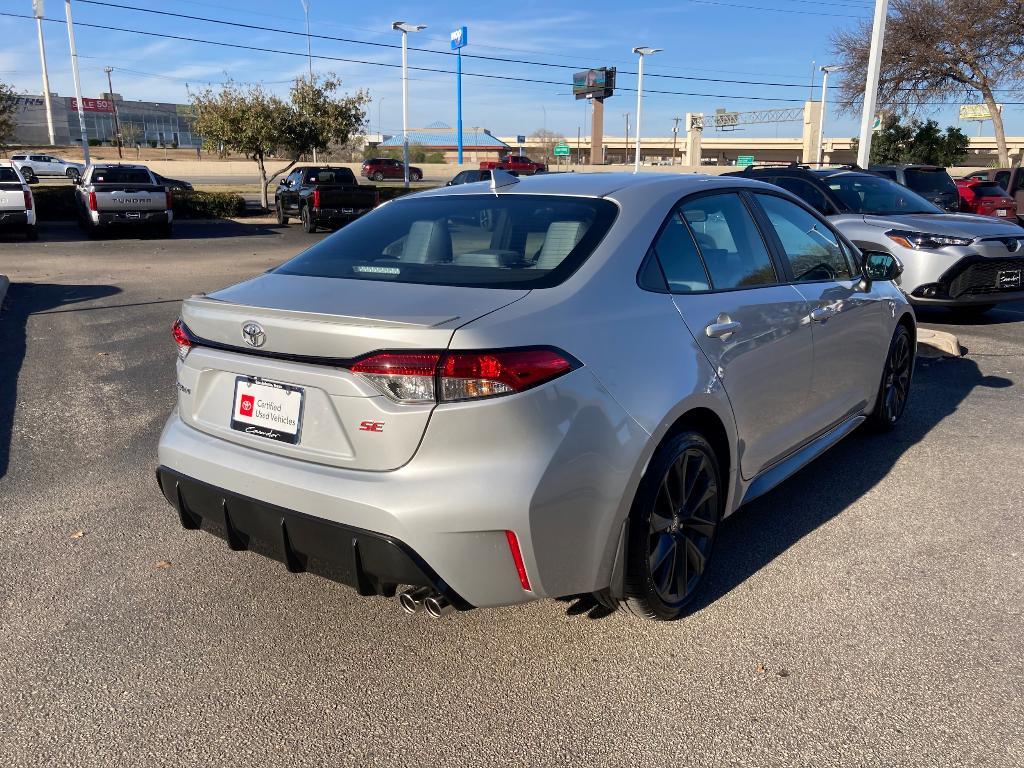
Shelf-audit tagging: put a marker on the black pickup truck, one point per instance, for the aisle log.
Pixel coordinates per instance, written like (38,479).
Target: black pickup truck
(320,196)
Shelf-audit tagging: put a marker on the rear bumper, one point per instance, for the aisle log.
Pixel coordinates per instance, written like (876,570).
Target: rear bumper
(336,216)
(370,563)
(128,217)
(14,219)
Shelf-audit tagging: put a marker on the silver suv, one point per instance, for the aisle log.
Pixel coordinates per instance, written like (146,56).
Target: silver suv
(959,260)
(550,386)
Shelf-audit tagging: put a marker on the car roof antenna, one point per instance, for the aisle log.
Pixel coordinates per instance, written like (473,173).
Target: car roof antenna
(500,178)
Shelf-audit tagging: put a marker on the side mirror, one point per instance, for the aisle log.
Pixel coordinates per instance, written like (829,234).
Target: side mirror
(449,183)
(879,265)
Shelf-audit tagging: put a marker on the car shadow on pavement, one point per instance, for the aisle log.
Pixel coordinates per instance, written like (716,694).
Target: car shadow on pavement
(1001,314)
(759,532)
(23,301)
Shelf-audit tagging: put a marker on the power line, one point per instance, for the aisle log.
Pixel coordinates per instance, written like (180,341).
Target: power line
(775,10)
(482,57)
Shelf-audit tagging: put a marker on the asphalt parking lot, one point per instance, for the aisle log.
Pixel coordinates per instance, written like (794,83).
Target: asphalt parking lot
(865,613)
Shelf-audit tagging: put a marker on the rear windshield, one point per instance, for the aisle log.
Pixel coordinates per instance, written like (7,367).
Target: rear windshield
(485,241)
(874,195)
(330,176)
(930,182)
(9,174)
(121,176)
(988,189)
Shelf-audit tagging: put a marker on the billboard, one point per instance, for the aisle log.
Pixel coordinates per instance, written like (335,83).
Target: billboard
(977,111)
(91,105)
(594,83)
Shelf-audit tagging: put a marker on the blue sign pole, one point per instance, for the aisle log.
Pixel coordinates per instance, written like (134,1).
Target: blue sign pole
(459,38)
(458,98)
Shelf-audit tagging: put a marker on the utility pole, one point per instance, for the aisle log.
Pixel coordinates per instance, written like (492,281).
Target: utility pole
(675,135)
(626,115)
(117,127)
(309,52)
(871,84)
(37,9)
(78,81)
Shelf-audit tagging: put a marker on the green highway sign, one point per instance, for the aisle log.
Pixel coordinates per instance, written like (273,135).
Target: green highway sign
(745,160)
(561,150)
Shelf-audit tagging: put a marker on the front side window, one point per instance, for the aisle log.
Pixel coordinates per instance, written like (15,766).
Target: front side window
(812,249)
(728,239)
(485,241)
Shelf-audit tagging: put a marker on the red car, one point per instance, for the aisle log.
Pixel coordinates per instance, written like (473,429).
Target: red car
(381,168)
(519,163)
(986,198)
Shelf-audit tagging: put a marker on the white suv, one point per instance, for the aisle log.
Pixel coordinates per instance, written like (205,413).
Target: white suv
(47,165)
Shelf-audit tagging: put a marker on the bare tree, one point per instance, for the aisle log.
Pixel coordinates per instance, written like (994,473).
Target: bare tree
(935,51)
(547,141)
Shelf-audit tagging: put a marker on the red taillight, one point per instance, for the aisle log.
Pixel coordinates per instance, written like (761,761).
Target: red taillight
(517,558)
(182,337)
(92,201)
(170,199)
(316,198)
(28,200)
(419,377)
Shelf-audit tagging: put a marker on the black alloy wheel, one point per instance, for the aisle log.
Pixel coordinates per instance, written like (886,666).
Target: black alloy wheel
(896,377)
(308,225)
(378,176)
(282,220)
(72,173)
(672,530)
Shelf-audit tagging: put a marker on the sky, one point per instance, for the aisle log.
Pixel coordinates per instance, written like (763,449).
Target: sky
(772,45)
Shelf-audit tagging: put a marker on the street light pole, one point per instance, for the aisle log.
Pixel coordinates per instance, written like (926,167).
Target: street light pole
(626,151)
(871,84)
(642,52)
(37,9)
(824,107)
(405,29)
(113,104)
(78,81)
(309,52)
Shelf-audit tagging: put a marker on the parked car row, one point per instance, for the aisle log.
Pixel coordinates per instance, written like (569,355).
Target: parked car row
(17,205)
(957,260)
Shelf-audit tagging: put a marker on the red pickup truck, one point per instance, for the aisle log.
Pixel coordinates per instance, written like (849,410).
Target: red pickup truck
(519,163)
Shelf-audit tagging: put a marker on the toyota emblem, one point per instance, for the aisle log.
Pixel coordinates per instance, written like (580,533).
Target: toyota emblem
(254,334)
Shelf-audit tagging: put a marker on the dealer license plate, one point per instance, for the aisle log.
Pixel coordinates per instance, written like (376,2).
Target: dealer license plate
(1008,278)
(267,409)
(1001,212)
(133,215)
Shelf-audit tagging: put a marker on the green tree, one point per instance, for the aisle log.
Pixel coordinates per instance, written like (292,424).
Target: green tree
(938,50)
(7,109)
(248,120)
(916,142)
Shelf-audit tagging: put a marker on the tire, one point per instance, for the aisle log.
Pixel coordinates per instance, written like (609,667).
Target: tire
(415,176)
(72,173)
(894,389)
(971,311)
(30,175)
(282,220)
(32,232)
(378,176)
(675,513)
(308,225)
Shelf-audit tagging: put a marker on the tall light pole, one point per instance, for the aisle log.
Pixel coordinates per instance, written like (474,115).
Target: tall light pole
(824,107)
(405,29)
(871,84)
(37,9)
(641,52)
(78,82)
(459,38)
(625,152)
(309,51)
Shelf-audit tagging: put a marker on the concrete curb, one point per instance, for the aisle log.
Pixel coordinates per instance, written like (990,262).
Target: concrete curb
(4,282)
(932,343)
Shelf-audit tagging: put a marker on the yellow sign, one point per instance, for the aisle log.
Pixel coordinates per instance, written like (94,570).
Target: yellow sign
(977,111)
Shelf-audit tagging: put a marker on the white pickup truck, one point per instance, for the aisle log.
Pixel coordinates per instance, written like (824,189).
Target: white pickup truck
(17,206)
(112,195)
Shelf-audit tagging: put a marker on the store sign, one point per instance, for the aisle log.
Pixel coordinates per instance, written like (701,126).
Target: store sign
(91,105)
(977,111)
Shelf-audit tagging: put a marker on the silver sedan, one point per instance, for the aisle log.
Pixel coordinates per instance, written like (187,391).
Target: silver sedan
(527,388)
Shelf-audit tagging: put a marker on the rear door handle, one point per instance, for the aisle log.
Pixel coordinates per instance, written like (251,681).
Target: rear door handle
(821,314)
(722,330)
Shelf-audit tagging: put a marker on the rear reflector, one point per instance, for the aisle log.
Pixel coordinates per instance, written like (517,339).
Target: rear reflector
(419,377)
(28,200)
(182,337)
(92,201)
(517,558)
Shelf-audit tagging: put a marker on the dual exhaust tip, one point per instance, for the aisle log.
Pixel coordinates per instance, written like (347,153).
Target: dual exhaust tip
(425,598)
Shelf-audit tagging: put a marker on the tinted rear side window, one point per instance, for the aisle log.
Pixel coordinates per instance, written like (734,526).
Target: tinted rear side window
(930,182)
(679,259)
(807,192)
(988,189)
(330,176)
(486,241)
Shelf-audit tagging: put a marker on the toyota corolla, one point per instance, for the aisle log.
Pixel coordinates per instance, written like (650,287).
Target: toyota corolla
(531,388)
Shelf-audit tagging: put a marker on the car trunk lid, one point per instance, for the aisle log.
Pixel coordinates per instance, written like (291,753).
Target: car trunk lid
(310,328)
